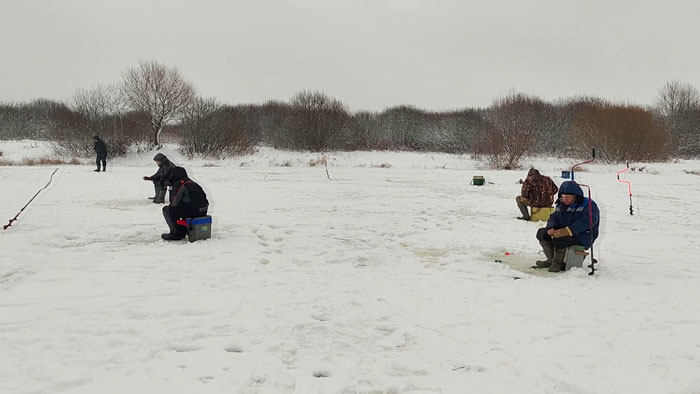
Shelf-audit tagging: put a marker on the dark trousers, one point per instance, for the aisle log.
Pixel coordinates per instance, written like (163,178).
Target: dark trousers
(101,158)
(172,214)
(559,243)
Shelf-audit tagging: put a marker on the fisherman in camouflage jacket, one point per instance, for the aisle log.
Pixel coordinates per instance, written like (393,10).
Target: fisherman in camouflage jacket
(537,191)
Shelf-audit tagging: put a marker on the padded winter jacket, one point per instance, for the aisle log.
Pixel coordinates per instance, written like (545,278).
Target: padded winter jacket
(539,189)
(188,194)
(100,146)
(162,176)
(576,215)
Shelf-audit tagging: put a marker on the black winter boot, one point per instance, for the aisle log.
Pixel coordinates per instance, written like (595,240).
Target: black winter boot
(155,194)
(160,197)
(172,237)
(558,260)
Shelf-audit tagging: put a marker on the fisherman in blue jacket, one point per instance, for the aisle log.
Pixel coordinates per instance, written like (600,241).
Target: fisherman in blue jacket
(570,224)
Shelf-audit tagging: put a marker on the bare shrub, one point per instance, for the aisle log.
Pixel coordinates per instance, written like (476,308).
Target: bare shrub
(360,132)
(270,122)
(619,132)
(44,161)
(316,122)
(30,120)
(400,128)
(516,122)
(213,130)
(157,91)
(409,128)
(463,130)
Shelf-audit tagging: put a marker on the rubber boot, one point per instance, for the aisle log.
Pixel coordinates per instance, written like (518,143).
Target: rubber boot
(558,260)
(155,193)
(523,210)
(160,198)
(549,253)
(171,237)
(176,233)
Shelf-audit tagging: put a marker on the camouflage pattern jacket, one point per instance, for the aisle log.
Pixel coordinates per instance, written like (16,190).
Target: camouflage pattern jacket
(539,189)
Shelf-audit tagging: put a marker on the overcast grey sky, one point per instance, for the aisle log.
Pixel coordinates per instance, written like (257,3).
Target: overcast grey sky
(371,54)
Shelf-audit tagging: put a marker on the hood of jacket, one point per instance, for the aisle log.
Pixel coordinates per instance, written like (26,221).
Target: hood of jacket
(161,158)
(178,174)
(570,187)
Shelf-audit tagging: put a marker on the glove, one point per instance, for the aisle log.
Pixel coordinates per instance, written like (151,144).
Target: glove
(147,178)
(562,232)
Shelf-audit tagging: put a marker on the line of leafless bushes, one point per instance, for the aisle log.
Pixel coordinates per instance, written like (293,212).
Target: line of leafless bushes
(154,99)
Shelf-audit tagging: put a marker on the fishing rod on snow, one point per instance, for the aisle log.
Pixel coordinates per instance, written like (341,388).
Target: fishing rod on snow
(30,201)
(590,210)
(629,186)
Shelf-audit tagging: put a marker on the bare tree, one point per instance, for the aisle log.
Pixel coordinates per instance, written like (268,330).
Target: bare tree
(679,106)
(158,91)
(677,98)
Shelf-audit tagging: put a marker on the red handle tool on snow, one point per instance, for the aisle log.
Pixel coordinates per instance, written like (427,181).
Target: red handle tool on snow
(629,185)
(590,211)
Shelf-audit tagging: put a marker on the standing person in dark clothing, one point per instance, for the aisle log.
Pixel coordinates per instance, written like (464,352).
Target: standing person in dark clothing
(101,150)
(570,224)
(161,179)
(537,191)
(189,201)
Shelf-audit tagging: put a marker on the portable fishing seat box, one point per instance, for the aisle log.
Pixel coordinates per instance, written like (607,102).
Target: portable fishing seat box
(538,214)
(575,254)
(197,228)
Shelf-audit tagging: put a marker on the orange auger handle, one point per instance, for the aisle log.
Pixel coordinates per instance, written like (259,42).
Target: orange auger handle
(629,186)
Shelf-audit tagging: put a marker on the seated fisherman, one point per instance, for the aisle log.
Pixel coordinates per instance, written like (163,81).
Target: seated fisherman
(537,191)
(188,201)
(161,179)
(568,225)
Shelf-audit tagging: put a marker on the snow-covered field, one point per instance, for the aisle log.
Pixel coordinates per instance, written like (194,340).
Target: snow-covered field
(380,280)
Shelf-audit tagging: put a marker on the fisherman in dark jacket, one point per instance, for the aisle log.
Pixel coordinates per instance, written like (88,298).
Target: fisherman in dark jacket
(574,222)
(101,150)
(537,191)
(189,201)
(161,179)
